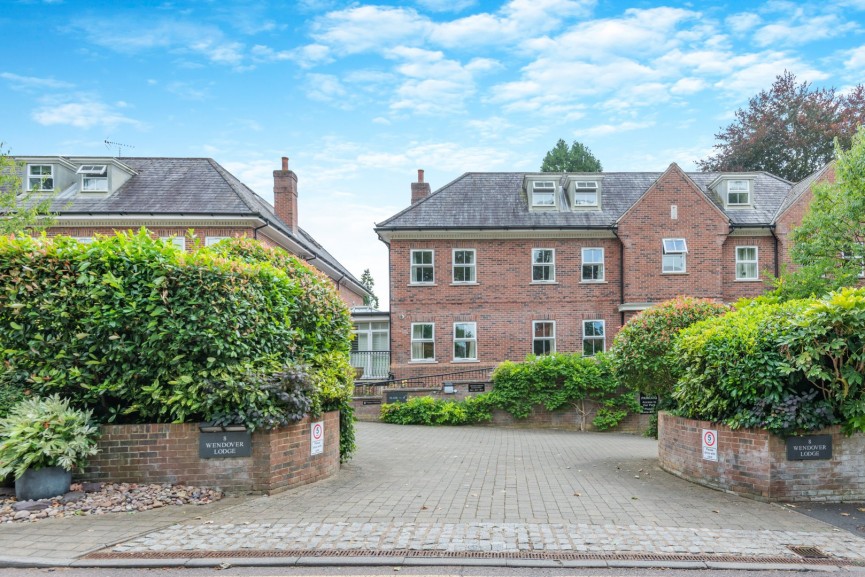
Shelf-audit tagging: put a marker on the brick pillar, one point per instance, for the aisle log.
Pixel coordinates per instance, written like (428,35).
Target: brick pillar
(285,195)
(420,189)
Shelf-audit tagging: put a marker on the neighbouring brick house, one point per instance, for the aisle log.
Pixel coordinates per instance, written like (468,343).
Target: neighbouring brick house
(495,266)
(173,196)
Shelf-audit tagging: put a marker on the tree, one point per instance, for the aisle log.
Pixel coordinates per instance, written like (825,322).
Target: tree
(829,246)
(788,130)
(19,209)
(368,284)
(577,158)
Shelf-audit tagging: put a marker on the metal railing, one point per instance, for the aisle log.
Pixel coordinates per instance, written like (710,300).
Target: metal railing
(425,382)
(375,364)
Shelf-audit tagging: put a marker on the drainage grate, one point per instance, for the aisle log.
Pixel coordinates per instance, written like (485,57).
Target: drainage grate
(807,555)
(808,552)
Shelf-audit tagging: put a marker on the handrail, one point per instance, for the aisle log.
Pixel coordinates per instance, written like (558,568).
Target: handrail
(426,381)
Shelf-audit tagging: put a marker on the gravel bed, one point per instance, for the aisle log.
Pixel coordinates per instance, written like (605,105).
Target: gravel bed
(102,498)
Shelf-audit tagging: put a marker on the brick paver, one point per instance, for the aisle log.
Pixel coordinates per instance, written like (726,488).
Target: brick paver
(488,489)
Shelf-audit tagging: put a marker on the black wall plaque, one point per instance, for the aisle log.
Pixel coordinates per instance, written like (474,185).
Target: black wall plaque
(224,445)
(477,387)
(372,401)
(648,404)
(397,396)
(809,448)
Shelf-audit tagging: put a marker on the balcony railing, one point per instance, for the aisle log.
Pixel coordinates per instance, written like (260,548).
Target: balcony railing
(373,388)
(375,364)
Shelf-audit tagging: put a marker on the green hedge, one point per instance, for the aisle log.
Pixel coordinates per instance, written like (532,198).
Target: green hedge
(562,380)
(790,367)
(430,411)
(139,331)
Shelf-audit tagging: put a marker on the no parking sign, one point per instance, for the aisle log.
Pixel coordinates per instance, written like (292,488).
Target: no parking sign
(710,445)
(316,438)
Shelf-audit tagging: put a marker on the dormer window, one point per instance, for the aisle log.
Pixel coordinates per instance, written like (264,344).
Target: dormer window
(738,193)
(40,177)
(94,177)
(585,193)
(543,193)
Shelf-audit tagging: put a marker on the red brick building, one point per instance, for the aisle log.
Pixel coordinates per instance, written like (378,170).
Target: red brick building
(172,197)
(494,266)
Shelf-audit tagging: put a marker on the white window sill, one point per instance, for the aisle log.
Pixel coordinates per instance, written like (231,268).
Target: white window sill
(544,282)
(422,284)
(748,280)
(464,283)
(674,273)
(423,362)
(461,361)
(593,282)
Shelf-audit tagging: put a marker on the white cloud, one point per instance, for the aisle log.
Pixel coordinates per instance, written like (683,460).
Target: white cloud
(755,72)
(369,28)
(188,91)
(446,5)
(608,129)
(855,58)
(742,22)
(326,88)
(810,29)
(33,83)
(688,86)
(81,112)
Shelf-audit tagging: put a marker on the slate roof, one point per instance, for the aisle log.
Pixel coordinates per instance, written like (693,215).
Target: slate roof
(186,186)
(799,189)
(498,200)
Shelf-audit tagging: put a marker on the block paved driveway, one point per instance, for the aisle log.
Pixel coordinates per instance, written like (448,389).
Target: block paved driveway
(477,474)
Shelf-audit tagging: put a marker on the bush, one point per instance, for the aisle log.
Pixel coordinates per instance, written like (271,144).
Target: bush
(642,351)
(563,380)
(430,411)
(39,433)
(138,331)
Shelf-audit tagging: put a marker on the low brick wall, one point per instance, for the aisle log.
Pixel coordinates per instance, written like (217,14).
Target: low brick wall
(753,463)
(168,453)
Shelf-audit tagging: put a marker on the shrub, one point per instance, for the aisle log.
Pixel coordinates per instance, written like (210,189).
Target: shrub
(642,351)
(141,332)
(45,432)
(430,411)
(561,380)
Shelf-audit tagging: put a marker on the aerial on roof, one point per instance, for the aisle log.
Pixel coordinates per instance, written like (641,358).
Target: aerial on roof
(503,200)
(163,188)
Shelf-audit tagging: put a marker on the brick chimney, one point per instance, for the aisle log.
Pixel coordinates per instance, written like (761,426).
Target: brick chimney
(420,189)
(285,195)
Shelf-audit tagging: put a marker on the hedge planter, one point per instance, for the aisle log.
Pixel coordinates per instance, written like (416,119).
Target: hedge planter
(755,463)
(42,483)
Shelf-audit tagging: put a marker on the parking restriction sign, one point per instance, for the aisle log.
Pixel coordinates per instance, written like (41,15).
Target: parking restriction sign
(710,445)
(316,438)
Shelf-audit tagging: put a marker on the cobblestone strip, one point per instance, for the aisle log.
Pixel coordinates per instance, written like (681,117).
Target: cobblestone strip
(491,537)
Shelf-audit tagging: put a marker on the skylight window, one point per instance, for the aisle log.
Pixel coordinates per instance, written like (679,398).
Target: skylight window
(94,177)
(93,169)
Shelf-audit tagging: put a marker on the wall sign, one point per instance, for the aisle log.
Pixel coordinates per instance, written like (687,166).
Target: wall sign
(372,401)
(477,387)
(648,403)
(815,447)
(316,438)
(710,445)
(225,445)
(397,396)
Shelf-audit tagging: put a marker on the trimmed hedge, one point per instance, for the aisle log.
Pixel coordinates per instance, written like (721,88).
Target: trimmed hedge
(430,411)
(563,380)
(791,367)
(139,331)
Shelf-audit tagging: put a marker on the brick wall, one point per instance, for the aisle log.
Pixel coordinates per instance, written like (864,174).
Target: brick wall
(753,463)
(168,453)
(792,217)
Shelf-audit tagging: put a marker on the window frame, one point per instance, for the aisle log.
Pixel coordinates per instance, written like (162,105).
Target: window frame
(175,239)
(585,190)
(42,178)
(755,262)
(473,339)
(551,265)
(472,266)
(746,191)
(584,263)
(665,251)
(413,266)
(212,240)
(422,340)
(593,338)
(91,173)
(551,339)
(552,194)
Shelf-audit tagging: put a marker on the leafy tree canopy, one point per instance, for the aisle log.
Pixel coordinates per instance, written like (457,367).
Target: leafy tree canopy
(829,246)
(577,158)
(788,130)
(19,211)
(368,284)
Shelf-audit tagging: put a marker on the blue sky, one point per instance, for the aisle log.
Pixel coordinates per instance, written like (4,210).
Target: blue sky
(361,95)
